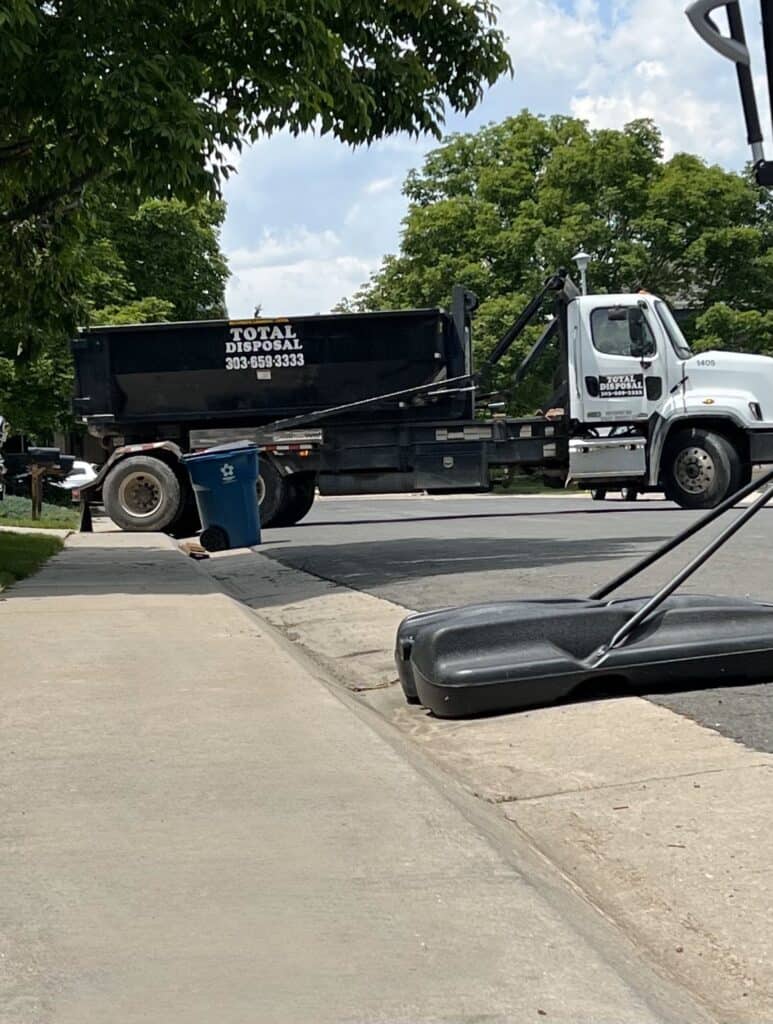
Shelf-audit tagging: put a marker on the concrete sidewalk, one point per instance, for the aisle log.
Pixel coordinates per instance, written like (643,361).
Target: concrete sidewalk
(662,823)
(195,829)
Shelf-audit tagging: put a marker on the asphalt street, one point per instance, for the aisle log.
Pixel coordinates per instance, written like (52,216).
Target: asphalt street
(427,552)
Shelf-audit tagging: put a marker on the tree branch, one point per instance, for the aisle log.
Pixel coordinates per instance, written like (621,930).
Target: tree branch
(43,203)
(15,149)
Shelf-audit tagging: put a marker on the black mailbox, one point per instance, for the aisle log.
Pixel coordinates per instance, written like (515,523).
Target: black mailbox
(44,456)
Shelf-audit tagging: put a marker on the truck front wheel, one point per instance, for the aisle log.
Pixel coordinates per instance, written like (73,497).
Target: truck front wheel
(701,468)
(142,494)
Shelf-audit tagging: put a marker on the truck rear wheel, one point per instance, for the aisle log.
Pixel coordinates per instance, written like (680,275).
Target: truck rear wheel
(272,493)
(701,468)
(142,494)
(300,493)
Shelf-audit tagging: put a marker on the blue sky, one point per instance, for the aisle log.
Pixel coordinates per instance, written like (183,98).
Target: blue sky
(309,218)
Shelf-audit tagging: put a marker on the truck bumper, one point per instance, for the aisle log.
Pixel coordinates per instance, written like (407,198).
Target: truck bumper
(761,446)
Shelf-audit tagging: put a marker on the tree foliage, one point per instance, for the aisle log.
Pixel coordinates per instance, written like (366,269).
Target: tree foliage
(150,98)
(153,95)
(501,209)
(740,330)
(160,261)
(155,92)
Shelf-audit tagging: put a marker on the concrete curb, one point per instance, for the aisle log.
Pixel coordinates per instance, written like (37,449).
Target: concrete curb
(39,531)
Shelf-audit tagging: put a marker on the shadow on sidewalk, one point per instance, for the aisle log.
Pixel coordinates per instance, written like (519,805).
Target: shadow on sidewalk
(84,570)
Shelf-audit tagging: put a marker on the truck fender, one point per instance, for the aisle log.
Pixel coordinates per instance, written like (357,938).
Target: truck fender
(172,455)
(664,426)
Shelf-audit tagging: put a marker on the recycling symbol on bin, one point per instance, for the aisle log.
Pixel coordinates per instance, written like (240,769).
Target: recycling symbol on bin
(227,472)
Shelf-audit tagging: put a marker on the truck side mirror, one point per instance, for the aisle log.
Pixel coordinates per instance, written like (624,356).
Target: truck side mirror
(641,345)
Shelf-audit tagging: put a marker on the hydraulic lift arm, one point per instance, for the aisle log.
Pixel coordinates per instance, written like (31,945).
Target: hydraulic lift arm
(734,47)
(558,284)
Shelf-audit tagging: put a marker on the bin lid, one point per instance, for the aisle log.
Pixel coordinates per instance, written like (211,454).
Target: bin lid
(222,451)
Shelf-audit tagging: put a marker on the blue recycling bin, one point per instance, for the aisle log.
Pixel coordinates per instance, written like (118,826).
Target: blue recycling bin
(225,485)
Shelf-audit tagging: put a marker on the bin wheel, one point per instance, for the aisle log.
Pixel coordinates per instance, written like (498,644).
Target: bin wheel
(214,538)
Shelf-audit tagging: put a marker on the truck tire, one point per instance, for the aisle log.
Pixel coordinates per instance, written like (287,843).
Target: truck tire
(700,468)
(272,493)
(301,490)
(188,522)
(629,494)
(142,494)
(598,493)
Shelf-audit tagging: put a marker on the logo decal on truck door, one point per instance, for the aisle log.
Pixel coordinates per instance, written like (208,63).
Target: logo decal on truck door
(621,385)
(263,346)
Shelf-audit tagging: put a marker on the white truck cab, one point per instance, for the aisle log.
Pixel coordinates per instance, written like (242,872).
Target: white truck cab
(648,413)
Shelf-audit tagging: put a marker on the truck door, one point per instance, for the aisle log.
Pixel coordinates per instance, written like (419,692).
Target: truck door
(621,378)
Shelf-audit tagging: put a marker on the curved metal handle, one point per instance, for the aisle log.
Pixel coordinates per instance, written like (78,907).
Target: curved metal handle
(699,15)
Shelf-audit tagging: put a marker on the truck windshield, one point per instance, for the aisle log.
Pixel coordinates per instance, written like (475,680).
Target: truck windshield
(677,339)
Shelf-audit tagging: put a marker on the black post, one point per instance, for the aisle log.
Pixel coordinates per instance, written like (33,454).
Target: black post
(745,83)
(767,39)
(86,525)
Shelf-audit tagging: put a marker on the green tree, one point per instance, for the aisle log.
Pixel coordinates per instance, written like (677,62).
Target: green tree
(165,254)
(155,92)
(740,330)
(500,209)
(161,261)
(154,95)
(174,254)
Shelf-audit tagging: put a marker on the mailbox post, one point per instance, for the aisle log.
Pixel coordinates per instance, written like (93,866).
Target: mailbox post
(43,462)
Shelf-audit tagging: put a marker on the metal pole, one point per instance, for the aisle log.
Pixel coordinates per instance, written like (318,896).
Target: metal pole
(305,419)
(692,566)
(767,39)
(669,545)
(746,84)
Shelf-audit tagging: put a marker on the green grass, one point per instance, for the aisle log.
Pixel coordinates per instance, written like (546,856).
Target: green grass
(520,483)
(15,511)
(23,553)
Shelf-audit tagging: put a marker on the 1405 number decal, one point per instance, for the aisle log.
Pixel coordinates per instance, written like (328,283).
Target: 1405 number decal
(272,362)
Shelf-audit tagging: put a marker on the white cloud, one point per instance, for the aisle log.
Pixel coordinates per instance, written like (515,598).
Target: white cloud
(302,272)
(637,58)
(378,185)
(650,69)
(310,218)
(281,248)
